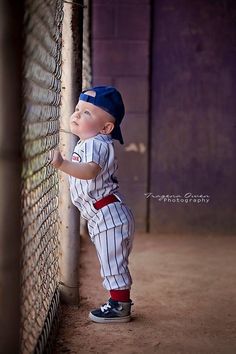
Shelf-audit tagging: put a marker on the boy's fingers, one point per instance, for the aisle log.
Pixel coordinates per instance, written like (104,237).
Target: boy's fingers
(50,155)
(53,154)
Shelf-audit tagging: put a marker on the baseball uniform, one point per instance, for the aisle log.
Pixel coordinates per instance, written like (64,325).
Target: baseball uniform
(111,228)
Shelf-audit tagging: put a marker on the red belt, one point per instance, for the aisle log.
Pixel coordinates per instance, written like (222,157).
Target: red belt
(111,198)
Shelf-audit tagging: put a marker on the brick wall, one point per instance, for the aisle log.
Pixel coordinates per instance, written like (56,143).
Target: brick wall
(120,57)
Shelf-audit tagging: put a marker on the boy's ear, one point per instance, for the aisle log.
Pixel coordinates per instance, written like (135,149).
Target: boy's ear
(108,127)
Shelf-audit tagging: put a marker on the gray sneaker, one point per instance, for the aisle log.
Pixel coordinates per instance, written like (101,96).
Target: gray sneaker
(112,311)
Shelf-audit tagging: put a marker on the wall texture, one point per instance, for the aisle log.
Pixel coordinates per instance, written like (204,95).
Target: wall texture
(193,114)
(176,60)
(120,57)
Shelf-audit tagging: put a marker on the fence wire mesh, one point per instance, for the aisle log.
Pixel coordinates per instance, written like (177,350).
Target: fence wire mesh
(86,62)
(40,244)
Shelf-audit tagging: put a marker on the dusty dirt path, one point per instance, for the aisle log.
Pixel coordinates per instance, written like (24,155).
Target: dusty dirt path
(184,296)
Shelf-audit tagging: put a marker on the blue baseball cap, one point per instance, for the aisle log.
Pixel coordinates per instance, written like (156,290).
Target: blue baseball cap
(109,99)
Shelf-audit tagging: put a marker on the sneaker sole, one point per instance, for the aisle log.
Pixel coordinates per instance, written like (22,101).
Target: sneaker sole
(109,320)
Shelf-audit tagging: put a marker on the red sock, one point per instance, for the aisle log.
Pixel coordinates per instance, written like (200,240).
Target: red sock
(120,295)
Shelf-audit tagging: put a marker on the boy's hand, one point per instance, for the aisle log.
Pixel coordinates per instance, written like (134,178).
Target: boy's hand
(82,170)
(55,158)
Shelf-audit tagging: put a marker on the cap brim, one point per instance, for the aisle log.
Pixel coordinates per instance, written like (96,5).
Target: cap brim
(116,134)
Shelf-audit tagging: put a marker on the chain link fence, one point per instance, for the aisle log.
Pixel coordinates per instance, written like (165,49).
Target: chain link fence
(31,271)
(40,244)
(86,63)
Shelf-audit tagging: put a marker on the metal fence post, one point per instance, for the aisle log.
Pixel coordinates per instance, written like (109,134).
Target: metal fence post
(69,215)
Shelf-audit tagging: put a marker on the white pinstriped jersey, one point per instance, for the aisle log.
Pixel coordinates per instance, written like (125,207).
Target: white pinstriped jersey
(99,149)
(112,227)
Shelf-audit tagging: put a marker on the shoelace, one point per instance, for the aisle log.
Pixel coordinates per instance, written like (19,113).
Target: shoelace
(105,307)
(108,306)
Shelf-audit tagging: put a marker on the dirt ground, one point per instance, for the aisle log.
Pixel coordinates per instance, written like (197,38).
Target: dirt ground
(184,294)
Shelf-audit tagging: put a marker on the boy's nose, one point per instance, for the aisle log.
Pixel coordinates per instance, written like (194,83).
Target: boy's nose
(77,115)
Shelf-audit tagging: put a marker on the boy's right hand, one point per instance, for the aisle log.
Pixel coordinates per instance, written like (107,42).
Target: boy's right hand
(55,158)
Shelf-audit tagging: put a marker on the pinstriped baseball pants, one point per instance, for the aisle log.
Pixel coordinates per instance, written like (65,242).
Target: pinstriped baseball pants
(114,244)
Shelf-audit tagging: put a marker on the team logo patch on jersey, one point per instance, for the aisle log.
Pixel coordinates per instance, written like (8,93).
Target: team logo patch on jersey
(76,157)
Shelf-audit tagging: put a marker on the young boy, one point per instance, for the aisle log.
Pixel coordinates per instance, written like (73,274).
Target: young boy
(95,192)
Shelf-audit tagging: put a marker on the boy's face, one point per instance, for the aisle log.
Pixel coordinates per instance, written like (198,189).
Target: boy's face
(88,120)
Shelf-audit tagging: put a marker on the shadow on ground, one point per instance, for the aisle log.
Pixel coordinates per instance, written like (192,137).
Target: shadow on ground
(184,294)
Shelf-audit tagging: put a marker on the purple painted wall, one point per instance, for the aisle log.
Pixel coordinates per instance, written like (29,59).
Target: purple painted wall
(120,57)
(190,133)
(193,114)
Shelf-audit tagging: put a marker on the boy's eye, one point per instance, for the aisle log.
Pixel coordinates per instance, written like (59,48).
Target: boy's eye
(88,114)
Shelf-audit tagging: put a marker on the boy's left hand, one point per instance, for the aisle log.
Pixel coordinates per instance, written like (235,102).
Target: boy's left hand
(55,157)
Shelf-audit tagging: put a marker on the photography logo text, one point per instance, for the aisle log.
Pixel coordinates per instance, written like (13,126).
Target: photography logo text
(186,198)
